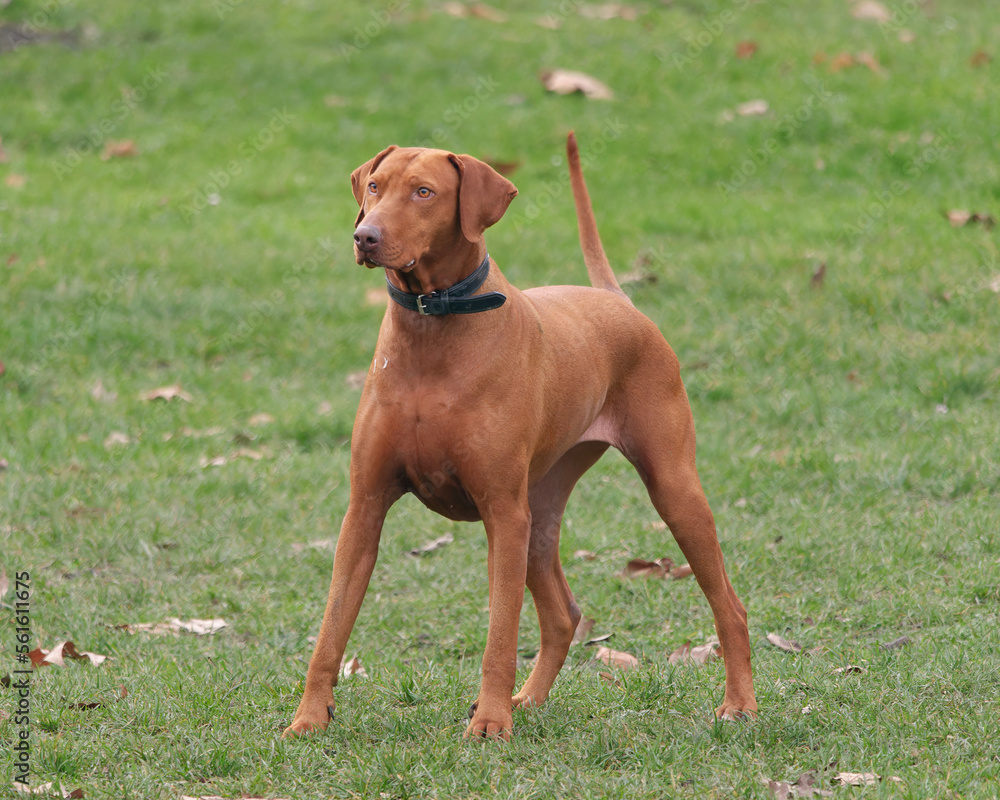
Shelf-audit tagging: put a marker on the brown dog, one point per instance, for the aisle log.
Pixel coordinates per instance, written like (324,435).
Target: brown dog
(490,403)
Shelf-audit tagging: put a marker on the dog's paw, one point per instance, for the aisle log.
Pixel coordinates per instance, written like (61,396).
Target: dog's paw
(737,712)
(489,726)
(304,724)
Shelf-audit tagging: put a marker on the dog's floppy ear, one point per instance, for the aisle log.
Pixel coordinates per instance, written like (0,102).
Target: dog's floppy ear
(483,195)
(359,180)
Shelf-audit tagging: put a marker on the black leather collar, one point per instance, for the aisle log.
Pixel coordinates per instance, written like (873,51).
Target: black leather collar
(456,300)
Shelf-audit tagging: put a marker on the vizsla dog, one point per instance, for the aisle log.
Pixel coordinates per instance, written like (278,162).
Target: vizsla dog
(489,403)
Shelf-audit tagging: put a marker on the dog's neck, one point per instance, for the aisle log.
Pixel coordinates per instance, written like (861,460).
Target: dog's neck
(433,275)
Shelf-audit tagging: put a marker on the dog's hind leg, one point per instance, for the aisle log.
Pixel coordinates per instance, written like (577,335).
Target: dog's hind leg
(558,613)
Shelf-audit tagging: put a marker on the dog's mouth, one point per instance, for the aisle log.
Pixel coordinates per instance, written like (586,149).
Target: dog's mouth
(371,263)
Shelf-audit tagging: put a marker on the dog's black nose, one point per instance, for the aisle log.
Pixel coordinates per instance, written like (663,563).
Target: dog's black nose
(367,238)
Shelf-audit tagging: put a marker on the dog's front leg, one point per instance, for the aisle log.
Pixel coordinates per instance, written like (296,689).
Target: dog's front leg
(353,562)
(508,531)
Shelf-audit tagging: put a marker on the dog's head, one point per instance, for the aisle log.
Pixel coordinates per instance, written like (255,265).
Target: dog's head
(421,204)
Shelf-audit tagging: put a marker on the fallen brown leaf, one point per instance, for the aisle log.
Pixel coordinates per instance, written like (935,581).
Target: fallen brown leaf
(15,181)
(842,62)
(803,787)
(57,655)
(616,658)
(564,81)
(124,149)
(856,778)
(640,568)
(746,49)
(48,789)
(477,10)
(702,654)
(167,393)
(351,667)
(584,555)
(607,677)
(866,59)
(431,546)
(816,281)
(752,108)
(606,11)
(504,167)
(784,644)
(960,217)
(583,629)
(315,544)
(871,10)
(850,669)
(980,58)
(175,626)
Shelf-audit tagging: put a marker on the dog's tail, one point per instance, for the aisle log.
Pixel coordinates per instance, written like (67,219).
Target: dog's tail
(598,267)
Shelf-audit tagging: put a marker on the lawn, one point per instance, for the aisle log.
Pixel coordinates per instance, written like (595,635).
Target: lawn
(175,211)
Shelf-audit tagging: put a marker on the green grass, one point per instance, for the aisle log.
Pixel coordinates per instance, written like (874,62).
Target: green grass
(847,432)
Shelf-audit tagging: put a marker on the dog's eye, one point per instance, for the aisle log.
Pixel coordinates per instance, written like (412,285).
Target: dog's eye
(423,191)
(372,187)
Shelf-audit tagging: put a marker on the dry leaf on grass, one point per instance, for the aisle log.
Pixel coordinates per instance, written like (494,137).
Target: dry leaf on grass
(565,81)
(784,644)
(583,629)
(477,10)
(980,58)
(57,655)
(752,108)
(315,544)
(15,181)
(584,555)
(960,218)
(262,418)
(167,393)
(175,626)
(702,654)
(661,568)
(431,546)
(871,10)
(607,677)
(841,62)
(48,789)
(352,667)
(116,439)
(746,49)
(850,669)
(856,778)
(616,658)
(606,11)
(124,149)
(895,644)
(803,787)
